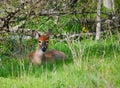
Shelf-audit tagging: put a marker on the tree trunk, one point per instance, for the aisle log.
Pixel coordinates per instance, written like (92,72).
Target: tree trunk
(98,26)
(109,4)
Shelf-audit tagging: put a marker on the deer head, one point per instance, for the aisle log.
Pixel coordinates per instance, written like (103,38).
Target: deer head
(44,40)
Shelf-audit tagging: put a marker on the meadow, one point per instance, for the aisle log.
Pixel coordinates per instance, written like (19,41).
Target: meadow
(90,64)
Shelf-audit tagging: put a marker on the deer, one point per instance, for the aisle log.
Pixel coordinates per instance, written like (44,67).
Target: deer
(41,54)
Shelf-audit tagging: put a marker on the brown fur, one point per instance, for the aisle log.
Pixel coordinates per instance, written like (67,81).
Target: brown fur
(48,56)
(34,58)
(53,55)
(39,56)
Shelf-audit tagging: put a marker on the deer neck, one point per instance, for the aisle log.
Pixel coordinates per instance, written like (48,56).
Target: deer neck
(40,53)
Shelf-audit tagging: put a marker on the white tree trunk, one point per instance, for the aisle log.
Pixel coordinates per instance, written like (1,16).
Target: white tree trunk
(98,26)
(109,4)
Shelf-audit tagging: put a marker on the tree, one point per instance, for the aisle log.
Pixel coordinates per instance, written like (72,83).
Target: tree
(109,4)
(98,26)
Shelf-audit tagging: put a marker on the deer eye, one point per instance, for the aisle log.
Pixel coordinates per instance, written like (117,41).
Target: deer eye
(47,41)
(40,42)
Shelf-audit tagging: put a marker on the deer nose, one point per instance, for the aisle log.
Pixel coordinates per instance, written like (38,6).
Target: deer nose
(43,48)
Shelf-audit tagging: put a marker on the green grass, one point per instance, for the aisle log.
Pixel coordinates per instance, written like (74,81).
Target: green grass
(90,64)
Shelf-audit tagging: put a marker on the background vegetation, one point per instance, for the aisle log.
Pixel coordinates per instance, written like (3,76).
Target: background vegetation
(90,64)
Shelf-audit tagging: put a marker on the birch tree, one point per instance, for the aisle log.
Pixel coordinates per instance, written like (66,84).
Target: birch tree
(98,26)
(109,4)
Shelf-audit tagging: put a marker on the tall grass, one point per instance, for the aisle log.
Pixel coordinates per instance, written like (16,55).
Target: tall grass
(90,64)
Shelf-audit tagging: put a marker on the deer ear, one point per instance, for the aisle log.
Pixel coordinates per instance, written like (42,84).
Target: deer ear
(49,32)
(35,34)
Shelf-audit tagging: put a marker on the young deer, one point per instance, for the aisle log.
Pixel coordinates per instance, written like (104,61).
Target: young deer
(41,55)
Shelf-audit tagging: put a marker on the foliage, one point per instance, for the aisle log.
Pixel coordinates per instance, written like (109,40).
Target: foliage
(90,64)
